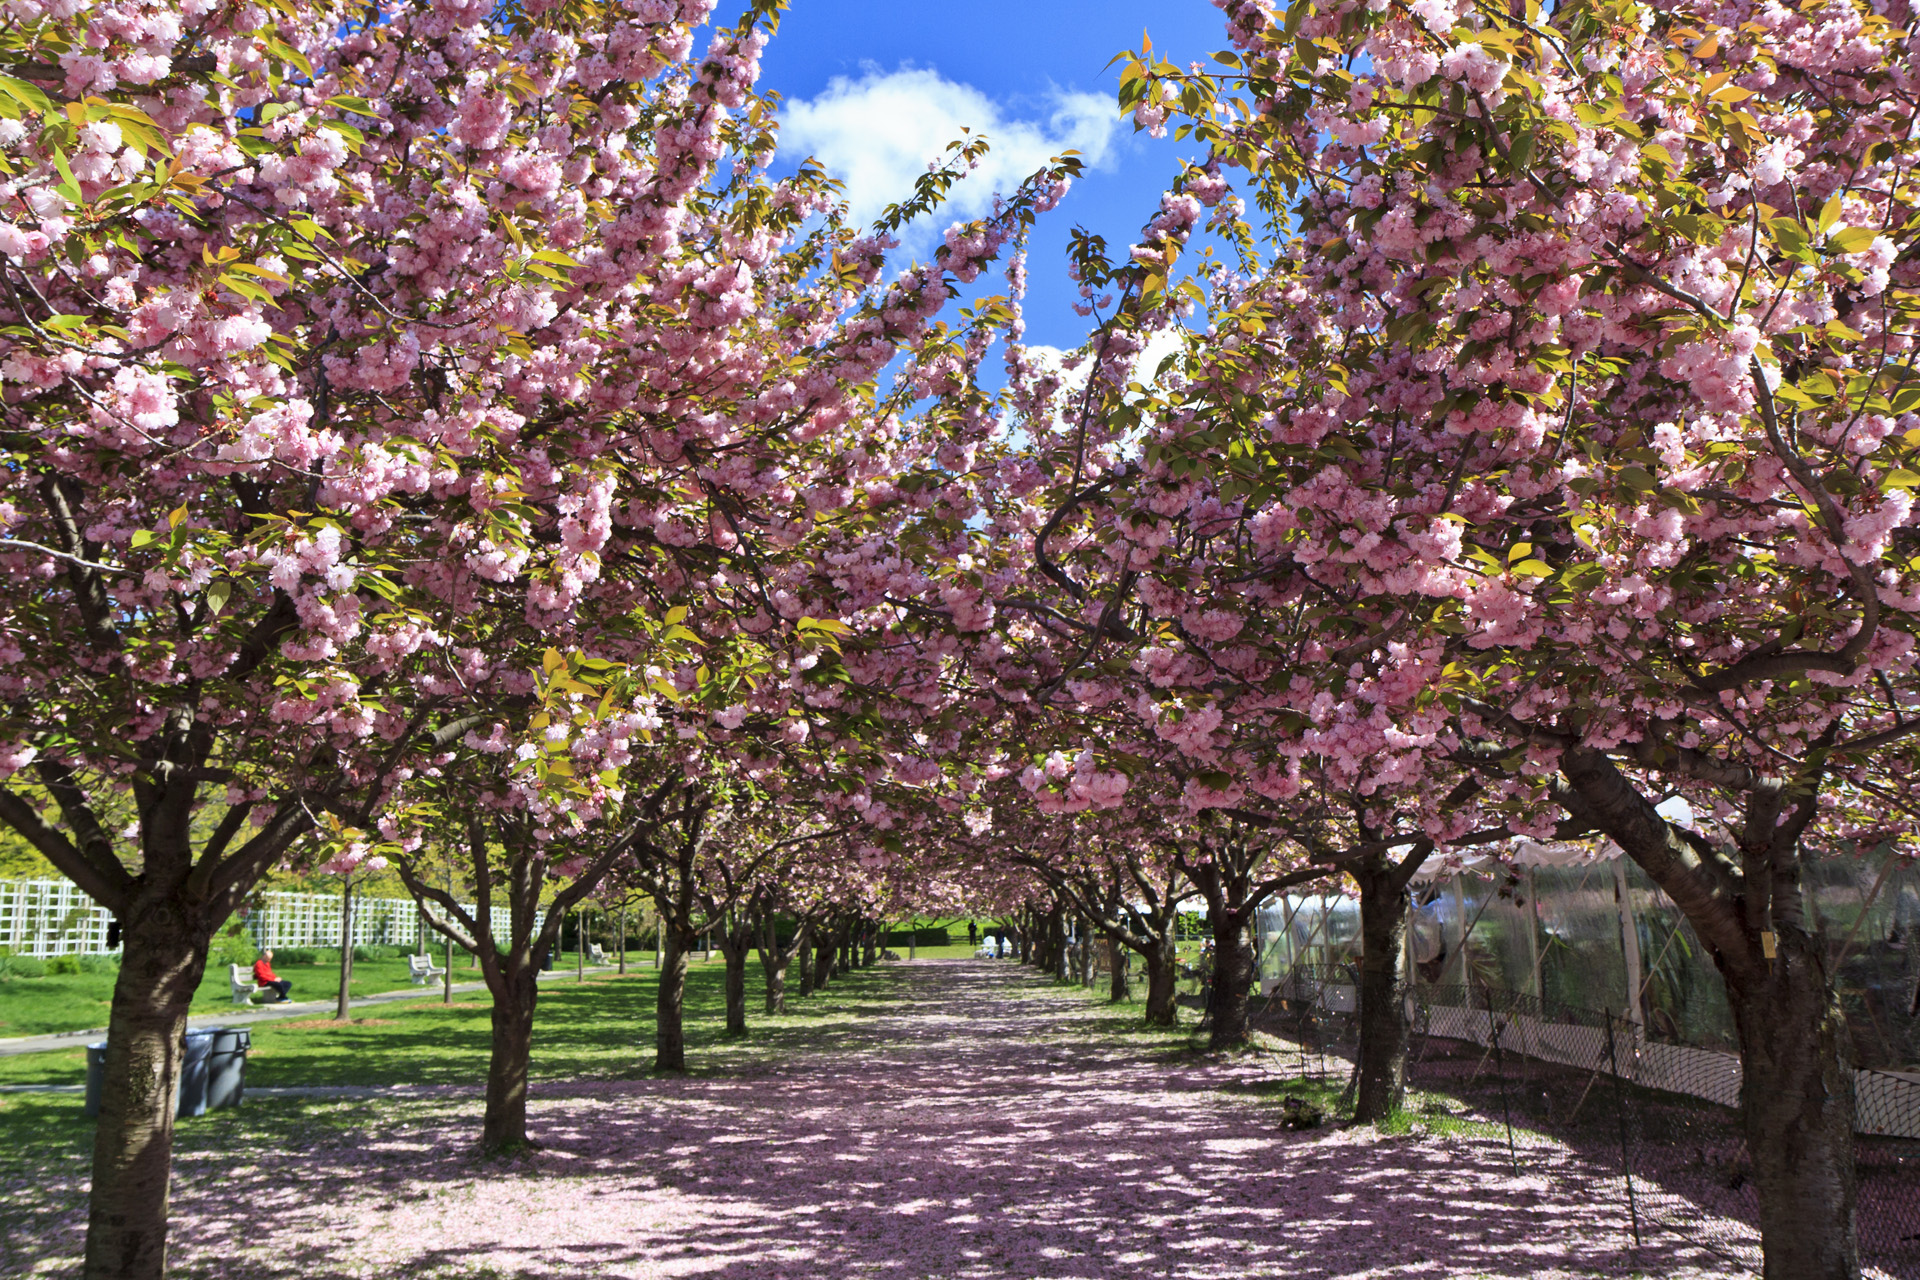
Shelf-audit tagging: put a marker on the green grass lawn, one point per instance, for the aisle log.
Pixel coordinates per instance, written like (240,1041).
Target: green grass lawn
(80,1001)
(599,1029)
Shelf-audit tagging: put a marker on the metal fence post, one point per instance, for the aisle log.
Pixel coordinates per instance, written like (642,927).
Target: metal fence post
(1500,1067)
(1620,1111)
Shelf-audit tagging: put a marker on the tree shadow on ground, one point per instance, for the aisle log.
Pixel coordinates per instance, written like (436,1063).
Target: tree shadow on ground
(972,1122)
(960,1129)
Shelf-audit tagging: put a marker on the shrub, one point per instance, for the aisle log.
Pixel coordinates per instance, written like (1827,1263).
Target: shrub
(298,955)
(99,964)
(232,945)
(63,965)
(22,967)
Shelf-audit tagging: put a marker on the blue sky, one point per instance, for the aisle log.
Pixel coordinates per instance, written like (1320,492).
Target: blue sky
(876,89)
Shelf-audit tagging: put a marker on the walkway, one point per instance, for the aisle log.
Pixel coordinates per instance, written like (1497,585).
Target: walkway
(948,1120)
(263,1013)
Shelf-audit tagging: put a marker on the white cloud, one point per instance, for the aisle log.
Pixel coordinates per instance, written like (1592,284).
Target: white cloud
(877,133)
(1676,810)
(1146,369)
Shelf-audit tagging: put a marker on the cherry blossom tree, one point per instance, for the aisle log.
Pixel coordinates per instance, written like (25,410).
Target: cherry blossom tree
(1614,310)
(337,335)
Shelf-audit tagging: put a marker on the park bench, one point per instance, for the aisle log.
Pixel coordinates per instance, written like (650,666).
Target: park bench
(596,954)
(244,987)
(420,968)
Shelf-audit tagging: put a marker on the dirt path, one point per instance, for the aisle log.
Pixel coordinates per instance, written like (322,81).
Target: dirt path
(959,1120)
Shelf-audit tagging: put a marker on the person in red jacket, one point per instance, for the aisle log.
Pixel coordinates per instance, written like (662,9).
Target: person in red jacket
(264,975)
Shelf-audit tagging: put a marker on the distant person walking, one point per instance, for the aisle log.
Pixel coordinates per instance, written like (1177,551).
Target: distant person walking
(264,975)
(973,934)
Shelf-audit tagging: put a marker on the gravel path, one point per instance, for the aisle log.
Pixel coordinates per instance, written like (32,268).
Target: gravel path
(972,1123)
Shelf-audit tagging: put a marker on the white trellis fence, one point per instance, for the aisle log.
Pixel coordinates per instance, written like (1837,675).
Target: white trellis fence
(45,918)
(50,918)
(313,920)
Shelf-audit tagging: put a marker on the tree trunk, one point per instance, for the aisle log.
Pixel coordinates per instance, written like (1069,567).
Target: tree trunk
(776,969)
(1163,976)
(1383,993)
(1041,954)
(803,956)
(1117,992)
(1232,976)
(669,1033)
(446,978)
(823,958)
(1796,1094)
(340,1009)
(736,985)
(873,934)
(504,1128)
(1796,1104)
(163,958)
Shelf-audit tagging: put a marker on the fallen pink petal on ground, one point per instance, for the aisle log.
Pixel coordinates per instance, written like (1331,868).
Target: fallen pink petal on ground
(977,1124)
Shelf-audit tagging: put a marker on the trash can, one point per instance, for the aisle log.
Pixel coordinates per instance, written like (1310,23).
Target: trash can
(96,1072)
(227,1066)
(193,1074)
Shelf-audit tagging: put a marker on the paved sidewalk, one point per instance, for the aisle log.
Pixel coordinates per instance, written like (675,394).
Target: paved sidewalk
(268,1013)
(945,1120)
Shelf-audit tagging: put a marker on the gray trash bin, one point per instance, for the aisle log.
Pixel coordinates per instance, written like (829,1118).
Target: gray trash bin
(193,1074)
(227,1066)
(96,1072)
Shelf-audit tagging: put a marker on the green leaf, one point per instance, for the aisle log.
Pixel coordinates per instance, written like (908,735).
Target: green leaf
(1638,478)
(68,187)
(1852,239)
(26,94)
(247,289)
(1901,479)
(1788,234)
(217,596)
(358,106)
(287,53)
(1521,152)
(1581,577)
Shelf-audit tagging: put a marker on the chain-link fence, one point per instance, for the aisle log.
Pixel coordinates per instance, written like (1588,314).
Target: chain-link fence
(1585,1098)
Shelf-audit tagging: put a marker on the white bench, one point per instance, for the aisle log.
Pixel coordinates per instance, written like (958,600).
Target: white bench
(596,954)
(420,968)
(244,987)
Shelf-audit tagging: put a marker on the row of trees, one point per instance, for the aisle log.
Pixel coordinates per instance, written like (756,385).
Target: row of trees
(434,438)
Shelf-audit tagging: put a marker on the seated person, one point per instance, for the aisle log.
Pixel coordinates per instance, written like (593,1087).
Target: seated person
(264,975)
